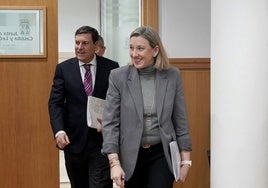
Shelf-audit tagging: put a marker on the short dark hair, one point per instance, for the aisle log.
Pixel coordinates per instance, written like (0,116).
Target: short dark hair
(90,30)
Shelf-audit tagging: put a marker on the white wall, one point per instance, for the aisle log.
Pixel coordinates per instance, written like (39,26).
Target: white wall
(239,103)
(72,15)
(184,25)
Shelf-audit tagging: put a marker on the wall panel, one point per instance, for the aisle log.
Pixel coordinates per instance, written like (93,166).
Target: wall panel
(28,156)
(195,75)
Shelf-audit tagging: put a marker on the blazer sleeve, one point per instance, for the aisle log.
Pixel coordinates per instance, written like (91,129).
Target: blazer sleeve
(111,118)
(56,101)
(179,117)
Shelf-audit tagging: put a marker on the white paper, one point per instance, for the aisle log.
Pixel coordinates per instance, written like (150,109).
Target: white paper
(176,159)
(95,107)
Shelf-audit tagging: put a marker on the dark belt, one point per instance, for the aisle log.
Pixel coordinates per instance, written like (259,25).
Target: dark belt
(147,146)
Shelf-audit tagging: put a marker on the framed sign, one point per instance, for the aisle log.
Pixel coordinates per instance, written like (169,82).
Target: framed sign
(22,32)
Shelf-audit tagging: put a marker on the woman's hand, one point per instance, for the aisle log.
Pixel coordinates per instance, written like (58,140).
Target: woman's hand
(117,173)
(184,172)
(186,164)
(118,176)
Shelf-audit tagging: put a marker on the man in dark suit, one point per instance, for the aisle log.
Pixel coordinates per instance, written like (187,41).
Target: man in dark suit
(86,166)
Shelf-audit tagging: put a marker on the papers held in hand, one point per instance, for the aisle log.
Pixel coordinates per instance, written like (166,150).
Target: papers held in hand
(175,159)
(95,107)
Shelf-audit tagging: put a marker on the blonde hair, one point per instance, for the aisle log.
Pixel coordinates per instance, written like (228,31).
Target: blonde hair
(148,33)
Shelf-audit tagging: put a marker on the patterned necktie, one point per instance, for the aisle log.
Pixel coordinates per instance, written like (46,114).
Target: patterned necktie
(88,80)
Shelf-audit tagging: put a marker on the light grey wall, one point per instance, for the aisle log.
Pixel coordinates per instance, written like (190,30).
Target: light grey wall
(72,15)
(184,25)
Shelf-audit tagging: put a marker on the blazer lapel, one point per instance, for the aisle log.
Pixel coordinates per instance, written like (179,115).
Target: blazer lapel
(161,89)
(135,91)
(76,75)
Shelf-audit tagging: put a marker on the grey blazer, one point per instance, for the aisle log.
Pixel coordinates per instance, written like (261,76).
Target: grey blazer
(123,115)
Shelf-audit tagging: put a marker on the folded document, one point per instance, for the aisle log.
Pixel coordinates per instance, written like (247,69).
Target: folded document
(95,107)
(176,159)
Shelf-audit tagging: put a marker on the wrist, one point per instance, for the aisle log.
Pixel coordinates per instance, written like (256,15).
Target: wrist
(186,162)
(113,161)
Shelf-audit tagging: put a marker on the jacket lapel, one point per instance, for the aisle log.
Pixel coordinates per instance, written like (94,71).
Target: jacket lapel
(135,91)
(76,75)
(161,89)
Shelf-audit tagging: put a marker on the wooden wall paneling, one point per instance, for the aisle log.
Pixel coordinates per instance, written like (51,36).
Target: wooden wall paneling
(149,13)
(29,158)
(195,75)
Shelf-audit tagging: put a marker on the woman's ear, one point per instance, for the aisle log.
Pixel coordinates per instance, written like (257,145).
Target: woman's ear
(156,50)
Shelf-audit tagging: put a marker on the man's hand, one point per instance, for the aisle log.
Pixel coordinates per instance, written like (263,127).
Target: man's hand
(100,121)
(62,140)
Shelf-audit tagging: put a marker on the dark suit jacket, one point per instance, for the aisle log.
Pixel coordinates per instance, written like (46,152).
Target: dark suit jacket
(68,99)
(123,115)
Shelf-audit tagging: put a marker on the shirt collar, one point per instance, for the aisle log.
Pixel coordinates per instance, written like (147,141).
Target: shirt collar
(92,62)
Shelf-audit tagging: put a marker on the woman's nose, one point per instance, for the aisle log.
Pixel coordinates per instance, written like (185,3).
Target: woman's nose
(135,53)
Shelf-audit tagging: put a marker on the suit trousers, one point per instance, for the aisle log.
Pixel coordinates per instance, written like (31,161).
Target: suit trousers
(151,169)
(90,168)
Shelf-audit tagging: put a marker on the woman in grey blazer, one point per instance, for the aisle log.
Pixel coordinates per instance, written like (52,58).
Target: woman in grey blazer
(145,111)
